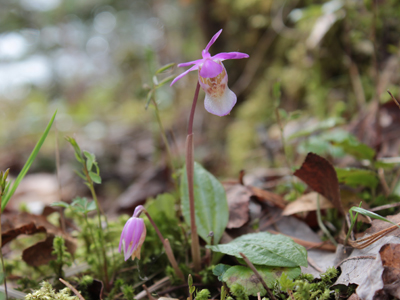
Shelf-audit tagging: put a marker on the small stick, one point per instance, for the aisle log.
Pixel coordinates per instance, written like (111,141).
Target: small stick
(251,266)
(381,176)
(148,293)
(258,296)
(72,288)
(382,207)
(394,99)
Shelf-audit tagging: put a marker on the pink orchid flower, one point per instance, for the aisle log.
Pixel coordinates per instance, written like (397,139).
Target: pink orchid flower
(213,79)
(133,235)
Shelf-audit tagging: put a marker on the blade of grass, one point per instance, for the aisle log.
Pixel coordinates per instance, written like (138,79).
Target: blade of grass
(27,165)
(371,215)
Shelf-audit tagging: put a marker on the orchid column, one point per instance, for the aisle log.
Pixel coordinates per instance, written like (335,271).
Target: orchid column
(219,101)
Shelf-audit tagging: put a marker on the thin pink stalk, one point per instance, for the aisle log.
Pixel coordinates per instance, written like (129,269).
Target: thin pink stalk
(190,178)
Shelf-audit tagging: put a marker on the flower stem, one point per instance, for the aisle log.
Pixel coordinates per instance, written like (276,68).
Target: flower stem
(190,179)
(167,247)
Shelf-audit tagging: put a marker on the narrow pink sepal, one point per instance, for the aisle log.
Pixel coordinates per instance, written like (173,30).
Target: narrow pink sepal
(195,67)
(210,69)
(189,63)
(229,55)
(212,41)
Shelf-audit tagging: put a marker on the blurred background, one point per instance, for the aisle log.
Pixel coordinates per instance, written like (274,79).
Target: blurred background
(94,62)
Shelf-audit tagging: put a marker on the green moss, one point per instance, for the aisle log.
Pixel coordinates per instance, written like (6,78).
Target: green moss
(46,292)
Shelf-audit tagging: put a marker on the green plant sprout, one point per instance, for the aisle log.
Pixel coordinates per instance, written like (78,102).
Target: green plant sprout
(151,98)
(81,207)
(192,288)
(3,186)
(359,210)
(90,173)
(7,189)
(10,188)
(63,256)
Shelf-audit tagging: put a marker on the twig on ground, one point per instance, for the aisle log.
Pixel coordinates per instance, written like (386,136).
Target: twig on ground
(72,288)
(382,207)
(251,266)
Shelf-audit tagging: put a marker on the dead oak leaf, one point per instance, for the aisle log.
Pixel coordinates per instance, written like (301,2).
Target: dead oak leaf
(15,224)
(320,175)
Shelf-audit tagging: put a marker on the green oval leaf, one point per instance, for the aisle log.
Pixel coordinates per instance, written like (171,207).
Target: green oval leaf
(245,277)
(96,178)
(357,177)
(212,212)
(219,270)
(268,249)
(90,159)
(165,67)
(60,204)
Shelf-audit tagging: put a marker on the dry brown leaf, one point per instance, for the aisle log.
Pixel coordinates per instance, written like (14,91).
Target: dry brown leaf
(269,197)
(354,297)
(15,224)
(238,197)
(320,175)
(40,253)
(306,203)
(390,256)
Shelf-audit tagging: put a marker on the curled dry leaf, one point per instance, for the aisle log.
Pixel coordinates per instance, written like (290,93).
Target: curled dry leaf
(268,197)
(238,197)
(390,256)
(306,203)
(40,253)
(321,176)
(15,224)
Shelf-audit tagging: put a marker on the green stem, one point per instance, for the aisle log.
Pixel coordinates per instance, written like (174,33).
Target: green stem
(321,224)
(353,222)
(93,237)
(1,250)
(190,178)
(99,211)
(165,140)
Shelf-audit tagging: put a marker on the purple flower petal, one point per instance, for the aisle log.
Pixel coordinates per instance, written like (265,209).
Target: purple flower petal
(195,67)
(130,229)
(229,55)
(139,225)
(212,41)
(189,63)
(210,69)
(123,236)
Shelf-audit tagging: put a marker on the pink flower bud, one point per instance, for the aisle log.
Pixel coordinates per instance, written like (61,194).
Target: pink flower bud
(133,235)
